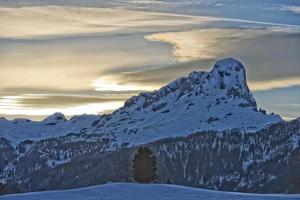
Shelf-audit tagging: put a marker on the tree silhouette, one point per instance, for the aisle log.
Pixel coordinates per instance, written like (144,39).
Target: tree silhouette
(144,166)
(6,189)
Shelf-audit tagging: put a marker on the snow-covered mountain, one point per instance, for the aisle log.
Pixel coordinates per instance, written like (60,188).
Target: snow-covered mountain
(205,130)
(216,100)
(119,191)
(19,130)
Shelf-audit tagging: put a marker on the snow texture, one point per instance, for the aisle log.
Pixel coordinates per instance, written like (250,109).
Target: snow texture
(145,192)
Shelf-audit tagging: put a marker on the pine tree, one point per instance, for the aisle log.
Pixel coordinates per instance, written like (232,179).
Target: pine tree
(144,166)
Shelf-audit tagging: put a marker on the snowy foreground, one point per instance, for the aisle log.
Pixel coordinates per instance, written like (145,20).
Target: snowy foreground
(142,192)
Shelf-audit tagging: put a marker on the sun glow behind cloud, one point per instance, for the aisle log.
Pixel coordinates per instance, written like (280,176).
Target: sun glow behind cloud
(105,84)
(12,105)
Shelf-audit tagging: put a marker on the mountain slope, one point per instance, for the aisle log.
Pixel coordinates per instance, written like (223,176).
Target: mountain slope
(216,100)
(143,191)
(266,161)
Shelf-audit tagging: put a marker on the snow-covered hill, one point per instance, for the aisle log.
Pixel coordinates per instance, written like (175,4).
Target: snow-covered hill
(145,192)
(216,100)
(53,126)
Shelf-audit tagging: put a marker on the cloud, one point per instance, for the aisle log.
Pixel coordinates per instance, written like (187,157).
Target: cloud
(161,75)
(294,9)
(41,105)
(148,2)
(30,22)
(277,83)
(78,55)
(283,101)
(202,43)
(73,63)
(59,100)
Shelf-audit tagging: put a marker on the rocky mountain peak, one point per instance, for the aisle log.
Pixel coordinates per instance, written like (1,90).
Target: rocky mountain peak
(226,64)
(227,79)
(54,118)
(230,76)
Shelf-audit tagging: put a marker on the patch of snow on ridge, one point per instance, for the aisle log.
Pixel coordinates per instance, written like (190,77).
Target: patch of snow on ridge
(55,125)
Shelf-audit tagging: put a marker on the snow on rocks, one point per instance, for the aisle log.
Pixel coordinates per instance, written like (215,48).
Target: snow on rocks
(216,100)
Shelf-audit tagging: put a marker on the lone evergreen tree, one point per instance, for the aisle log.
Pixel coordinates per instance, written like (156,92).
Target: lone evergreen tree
(144,166)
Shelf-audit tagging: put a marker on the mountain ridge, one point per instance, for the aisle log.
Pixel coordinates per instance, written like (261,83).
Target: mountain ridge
(216,100)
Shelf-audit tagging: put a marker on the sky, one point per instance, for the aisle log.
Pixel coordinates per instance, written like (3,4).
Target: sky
(89,56)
